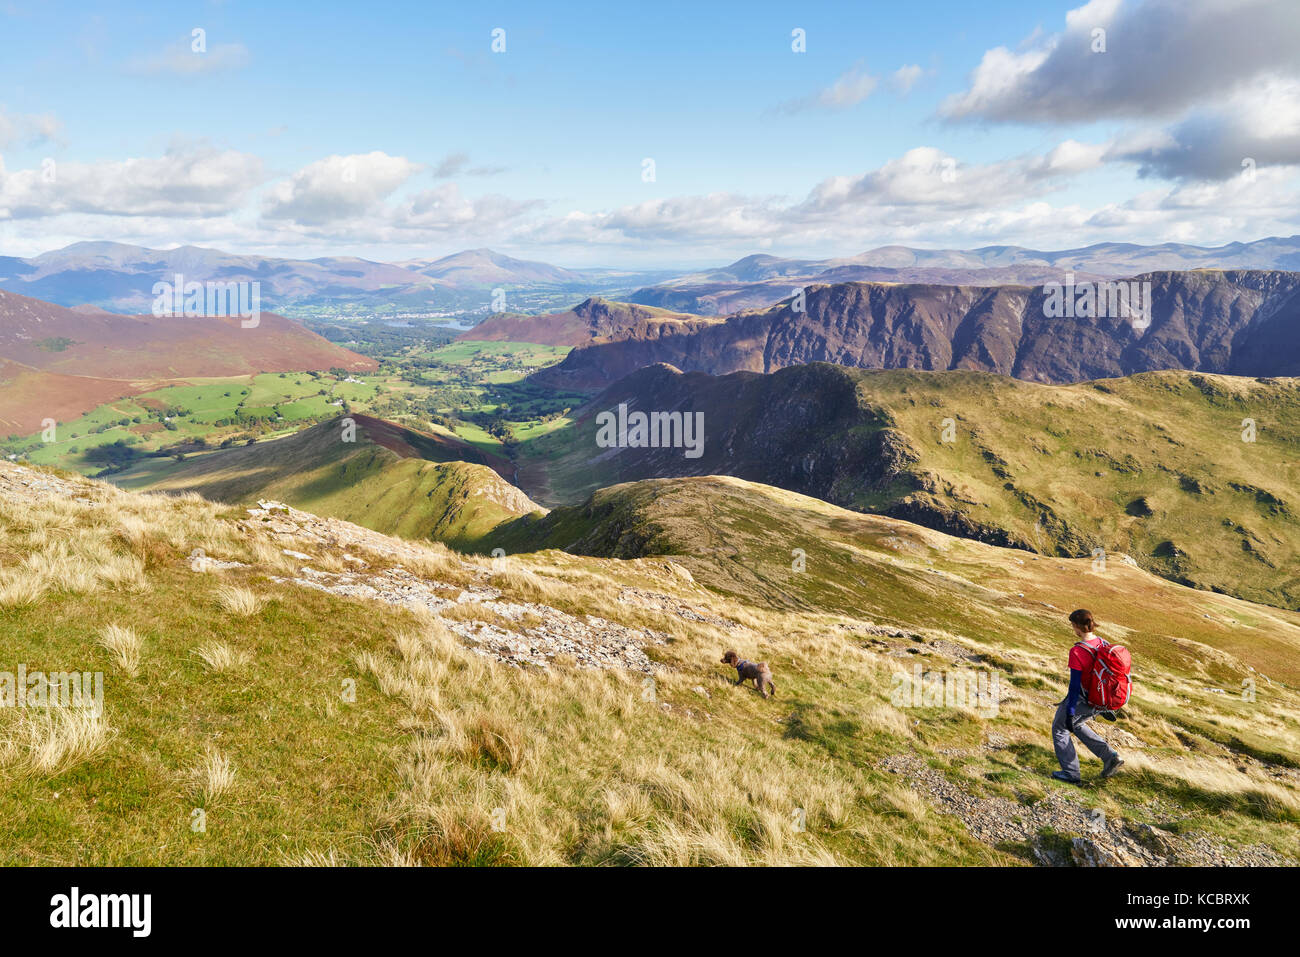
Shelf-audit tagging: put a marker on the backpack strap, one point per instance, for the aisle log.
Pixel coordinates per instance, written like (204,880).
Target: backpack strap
(1093,649)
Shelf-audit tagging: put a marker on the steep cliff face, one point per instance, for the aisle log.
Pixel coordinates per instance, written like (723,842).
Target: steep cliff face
(1235,322)
(808,430)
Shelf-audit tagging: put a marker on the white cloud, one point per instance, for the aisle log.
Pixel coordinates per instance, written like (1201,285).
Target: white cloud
(456,164)
(1224,75)
(28,129)
(184,182)
(445,208)
(337,188)
(906,77)
(928,197)
(1161,58)
(928,177)
(851,87)
(358,197)
(1257,126)
(451,165)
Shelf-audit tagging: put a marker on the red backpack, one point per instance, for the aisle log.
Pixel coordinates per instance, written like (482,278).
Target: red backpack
(1107,681)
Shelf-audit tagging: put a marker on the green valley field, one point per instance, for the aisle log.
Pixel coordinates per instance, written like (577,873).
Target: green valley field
(474,389)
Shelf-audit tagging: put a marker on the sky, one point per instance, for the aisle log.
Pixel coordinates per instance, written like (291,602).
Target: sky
(655,135)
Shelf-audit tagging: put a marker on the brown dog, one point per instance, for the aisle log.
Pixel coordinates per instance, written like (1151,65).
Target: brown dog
(758,672)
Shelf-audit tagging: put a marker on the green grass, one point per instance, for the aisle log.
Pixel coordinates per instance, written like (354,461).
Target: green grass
(1153,466)
(585,770)
(424,491)
(737,539)
(314,783)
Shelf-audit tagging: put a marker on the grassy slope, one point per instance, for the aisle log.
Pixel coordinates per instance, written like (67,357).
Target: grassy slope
(413,485)
(739,538)
(206,400)
(1153,466)
(586,768)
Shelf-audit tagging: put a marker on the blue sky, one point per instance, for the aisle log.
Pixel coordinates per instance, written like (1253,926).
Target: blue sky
(392,130)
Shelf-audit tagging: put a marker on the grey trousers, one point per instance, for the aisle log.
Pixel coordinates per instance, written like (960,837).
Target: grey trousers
(1063,725)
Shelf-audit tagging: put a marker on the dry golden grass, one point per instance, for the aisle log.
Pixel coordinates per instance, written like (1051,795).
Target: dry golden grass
(665,799)
(219,656)
(477,611)
(48,741)
(523,583)
(241,602)
(270,556)
(124,645)
(19,589)
(437,562)
(312,858)
(329,562)
(214,778)
(1216,778)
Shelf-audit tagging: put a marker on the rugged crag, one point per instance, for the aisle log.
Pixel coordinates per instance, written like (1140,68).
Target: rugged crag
(1234,322)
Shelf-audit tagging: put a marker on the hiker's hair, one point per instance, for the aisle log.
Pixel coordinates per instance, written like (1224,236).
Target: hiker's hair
(1083,618)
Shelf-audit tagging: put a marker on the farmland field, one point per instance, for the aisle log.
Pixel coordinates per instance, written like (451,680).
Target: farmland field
(471,389)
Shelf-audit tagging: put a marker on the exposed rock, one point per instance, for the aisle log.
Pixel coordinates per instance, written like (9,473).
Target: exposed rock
(1226,321)
(1094,839)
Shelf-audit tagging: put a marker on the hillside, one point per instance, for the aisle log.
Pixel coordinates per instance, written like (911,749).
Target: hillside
(79,358)
(1231,322)
(312,692)
(73,342)
(720,297)
(29,396)
(391,478)
(592,320)
(1153,466)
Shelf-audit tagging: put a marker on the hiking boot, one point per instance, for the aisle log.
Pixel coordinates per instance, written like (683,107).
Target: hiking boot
(1113,765)
(1108,715)
(1062,776)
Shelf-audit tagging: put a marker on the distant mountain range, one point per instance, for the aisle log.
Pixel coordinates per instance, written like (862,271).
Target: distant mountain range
(1241,322)
(483,267)
(757,281)
(119,277)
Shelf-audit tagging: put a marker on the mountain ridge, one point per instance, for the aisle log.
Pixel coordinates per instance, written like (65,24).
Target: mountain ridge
(379,474)
(1235,322)
(1191,474)
(757,281)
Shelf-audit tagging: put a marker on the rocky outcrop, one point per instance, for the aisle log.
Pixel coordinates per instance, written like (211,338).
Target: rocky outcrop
(1234,322)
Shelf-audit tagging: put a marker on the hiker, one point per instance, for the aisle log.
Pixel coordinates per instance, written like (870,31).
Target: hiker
(1073,713)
